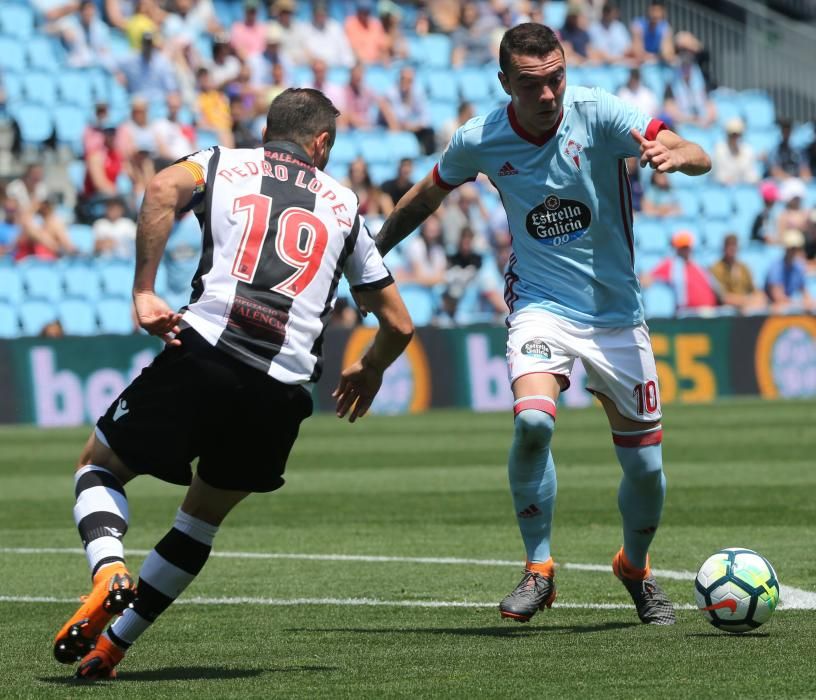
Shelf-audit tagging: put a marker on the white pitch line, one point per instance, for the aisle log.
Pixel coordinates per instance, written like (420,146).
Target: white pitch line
(792,598)
(357,602)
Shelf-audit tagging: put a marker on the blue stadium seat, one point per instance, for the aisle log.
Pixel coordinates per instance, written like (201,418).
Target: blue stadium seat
(380,79)
(76,174)
(380,172)
(716,202)
(442,86)
(811,286)
(372,146)
(758,109)
(40,88)
(16,20)
(599,76)
(206,139)
(345,149)
(116,278)
(659,301)
(115,316)
(432,50)
(728,104)
(119,44)
(402,144)
(689,201)
(758,260)
(472,84)
(339,75)
(646,262)
(714,233)
(803,135)
(82,237)
(77,317)
(747,199)
(70,125)
(11,285)
(12,55)
(9,325)
(35,122)
(555,12)
(441,112)
(654,77)
(13,86)
(75,87)
(651,235)
(42,53)
(763,141)
(82,281)
(419,302)
(34,315)
(42,281)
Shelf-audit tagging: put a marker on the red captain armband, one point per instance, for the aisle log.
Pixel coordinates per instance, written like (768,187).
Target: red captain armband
(439,182)
(654,127)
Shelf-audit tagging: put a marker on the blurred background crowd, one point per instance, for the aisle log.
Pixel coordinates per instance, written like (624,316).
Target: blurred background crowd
(97,95)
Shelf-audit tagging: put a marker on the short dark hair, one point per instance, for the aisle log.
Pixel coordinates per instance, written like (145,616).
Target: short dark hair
(300,114)
(528,39)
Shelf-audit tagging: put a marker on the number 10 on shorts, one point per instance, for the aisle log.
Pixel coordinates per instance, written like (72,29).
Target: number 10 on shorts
(646,397)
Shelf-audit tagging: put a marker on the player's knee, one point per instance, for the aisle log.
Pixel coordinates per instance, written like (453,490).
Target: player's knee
(642,465)
(534,429)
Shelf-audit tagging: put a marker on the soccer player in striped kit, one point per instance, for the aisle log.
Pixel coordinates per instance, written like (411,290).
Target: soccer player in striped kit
(557,155)
(233,383)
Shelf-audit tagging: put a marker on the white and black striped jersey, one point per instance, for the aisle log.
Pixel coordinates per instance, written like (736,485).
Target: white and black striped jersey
(277,235)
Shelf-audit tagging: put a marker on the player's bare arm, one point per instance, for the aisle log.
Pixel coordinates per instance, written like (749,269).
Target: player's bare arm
(669,153)
(167,193)
(416,205)
(360,382)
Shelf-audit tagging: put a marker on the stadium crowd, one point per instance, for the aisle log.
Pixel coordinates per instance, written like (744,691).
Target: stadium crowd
(145,82)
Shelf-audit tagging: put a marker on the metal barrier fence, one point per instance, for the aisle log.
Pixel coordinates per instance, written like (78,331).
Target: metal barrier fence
(766,51)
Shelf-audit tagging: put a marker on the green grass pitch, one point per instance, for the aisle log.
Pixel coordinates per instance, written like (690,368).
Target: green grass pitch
(421,488)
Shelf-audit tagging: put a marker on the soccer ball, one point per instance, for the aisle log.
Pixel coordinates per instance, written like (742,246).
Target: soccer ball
(736,589)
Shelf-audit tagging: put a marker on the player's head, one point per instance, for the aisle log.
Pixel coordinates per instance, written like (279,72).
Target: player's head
(534,74)
(305,116)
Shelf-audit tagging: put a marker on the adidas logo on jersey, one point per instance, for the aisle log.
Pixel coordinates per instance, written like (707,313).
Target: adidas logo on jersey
(530,511)
(507,169)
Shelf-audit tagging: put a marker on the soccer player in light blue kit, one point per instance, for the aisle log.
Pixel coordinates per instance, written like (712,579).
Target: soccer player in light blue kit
(557,156)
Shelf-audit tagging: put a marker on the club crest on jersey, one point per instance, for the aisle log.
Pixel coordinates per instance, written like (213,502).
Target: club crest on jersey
(536,348)
(573,150)
(558,221)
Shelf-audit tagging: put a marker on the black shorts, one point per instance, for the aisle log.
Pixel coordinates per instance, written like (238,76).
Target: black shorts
(196,401)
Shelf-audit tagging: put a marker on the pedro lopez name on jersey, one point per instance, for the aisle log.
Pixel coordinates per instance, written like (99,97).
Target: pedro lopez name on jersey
(568,203)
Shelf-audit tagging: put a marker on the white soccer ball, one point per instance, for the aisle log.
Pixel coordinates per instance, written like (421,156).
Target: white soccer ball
(736,589)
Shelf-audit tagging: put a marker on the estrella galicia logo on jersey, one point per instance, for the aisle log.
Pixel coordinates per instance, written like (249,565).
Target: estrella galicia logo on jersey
(536,348)
(573,150)
(557,221)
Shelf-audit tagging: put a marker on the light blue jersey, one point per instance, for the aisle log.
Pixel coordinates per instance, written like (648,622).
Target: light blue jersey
(568,204)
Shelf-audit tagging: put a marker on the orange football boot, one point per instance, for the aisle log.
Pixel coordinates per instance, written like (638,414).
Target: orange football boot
(100,662)
(113,591)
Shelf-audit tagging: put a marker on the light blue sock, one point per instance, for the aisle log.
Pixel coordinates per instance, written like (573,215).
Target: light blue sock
(532,480)
(640,497)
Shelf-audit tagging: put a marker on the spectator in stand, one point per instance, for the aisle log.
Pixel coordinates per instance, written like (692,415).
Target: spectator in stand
(366,35)
(794,216)
(786,161)
(464,113)
(763,229)
(225,65)
(373,203)
(325,39)
(463,265)
(357,102)
(52,329)
(425,256)
(810,242)
(575,39)
(734,161)
(92,136)
(320,81)
(691,283)
(117,13)
(659,199)
(464,209)
(103,165)
(736,284)
(213,109)
(174,140)
(390,15)
(686,99)
(262,65)
(189,20)
(242,88)
(810,152)
(652,36)
(291,32)
(144,20)
(137,134)
(248,36)
(43,233)
(9,224)
(244,134)
(609,37)
(86,38)
(472,45)
(277,84)
(115,234)
(637,94)
(396,187)
(405,108)
(148,73)
(786,284)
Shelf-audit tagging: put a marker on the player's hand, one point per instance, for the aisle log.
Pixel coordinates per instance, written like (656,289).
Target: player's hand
(156,317)
(656,155)
(359,384)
